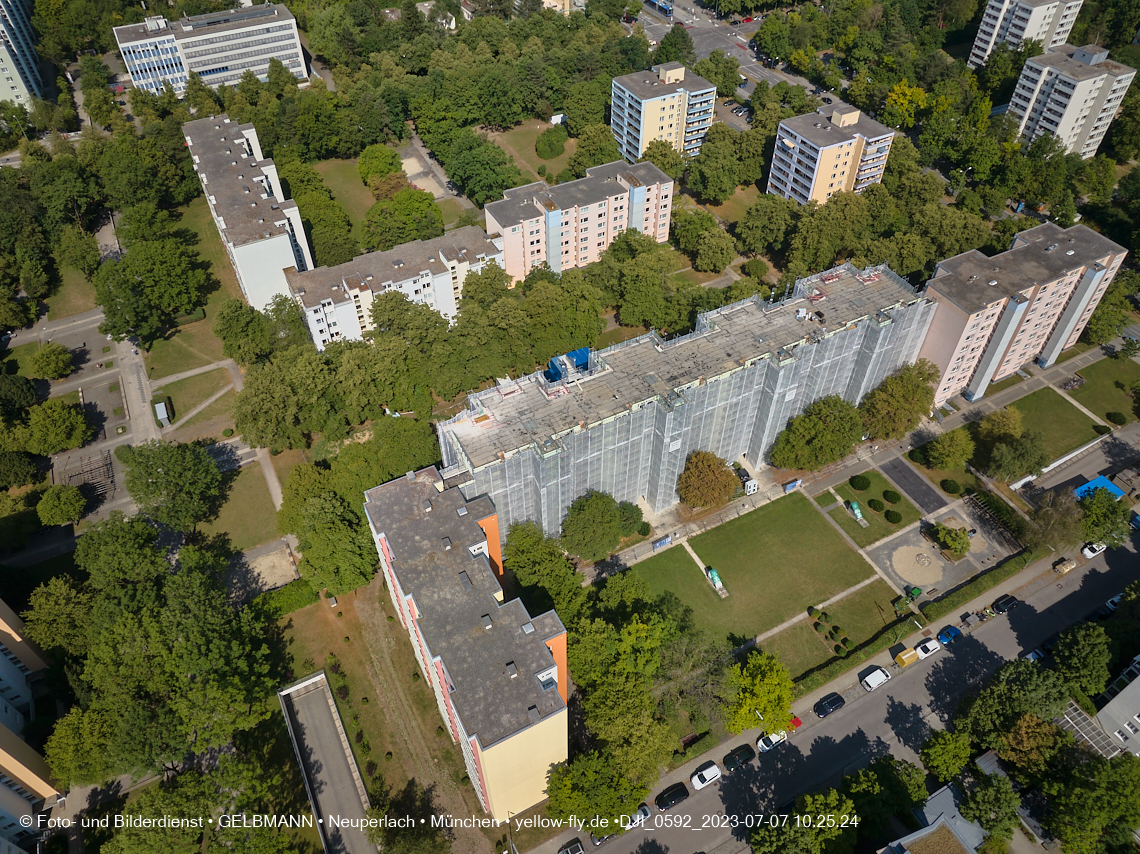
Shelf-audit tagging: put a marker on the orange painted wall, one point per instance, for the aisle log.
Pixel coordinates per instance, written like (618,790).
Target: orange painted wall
(557,647)
(490,527)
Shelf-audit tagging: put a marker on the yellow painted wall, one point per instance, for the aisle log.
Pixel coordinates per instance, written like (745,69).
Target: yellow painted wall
(515,769)
(24,765)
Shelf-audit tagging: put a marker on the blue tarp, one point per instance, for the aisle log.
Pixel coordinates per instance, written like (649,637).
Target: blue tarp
(1101,482)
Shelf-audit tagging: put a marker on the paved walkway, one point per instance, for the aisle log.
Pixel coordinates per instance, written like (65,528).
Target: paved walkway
(843,594)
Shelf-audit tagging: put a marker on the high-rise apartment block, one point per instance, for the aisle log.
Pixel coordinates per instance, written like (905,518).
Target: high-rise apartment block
(337,301)
(570,225)
(820,154)
(1030,302)
(220,47)
(623,420)
(260,228)
(499,675)
(1073,93)
(669,103)
(20,75)
(1013,22)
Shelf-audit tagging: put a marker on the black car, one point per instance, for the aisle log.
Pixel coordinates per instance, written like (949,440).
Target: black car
(574,846)
(1101,613)
(671,797)
(1050,642)
(1006,603)
(829,703)
(739,757)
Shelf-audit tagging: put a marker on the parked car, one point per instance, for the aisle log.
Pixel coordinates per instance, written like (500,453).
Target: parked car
(705,775)
(574,846)
(1101,613)
(927,648)
(671,796)
(767,742)
(828,704)
(1033,655)
(738,758)
(1114,603)
(1135,521)
(1050,642)
(1005,603)
(1091,550)
(948,635)
(637,819)
(598,840)
(729,102)
(875,679)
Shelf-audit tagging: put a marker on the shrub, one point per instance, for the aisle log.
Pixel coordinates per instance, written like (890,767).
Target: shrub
(838,630)
(388,756)
(918,455)
(893,516)
(359,736)
(1102,429)
(551,142)
(565,175)
(834,634)
(950,487)
(840,651)
(391,619)
(371,768)
(415,676)
(818,627)
(876,505)
(860,482)
(846,641)
(754,269)
(542,170)
(439,731)
(891,496)
(342,692)
(364,701)
(227,432)
(346,639)
(824,616)
(644,529)
(285,600)
(1117,418)
(812,611)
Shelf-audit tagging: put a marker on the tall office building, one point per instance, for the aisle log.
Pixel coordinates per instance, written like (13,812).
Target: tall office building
(260,228)
(669,103)
(20,75)
(570,225)
(834,151)
(1073,93)
(1013,22)
(1030,302)
(623,420)
(219,46)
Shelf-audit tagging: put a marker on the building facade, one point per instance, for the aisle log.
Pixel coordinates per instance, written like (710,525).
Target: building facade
(20,76)
(570,225)
(820,154)
(1073,93)
(1120,716)
(1014,22)
(337,301)
(499,675)
(669,103)
(220,47)
(1028,303)
(260,228)
(623,420)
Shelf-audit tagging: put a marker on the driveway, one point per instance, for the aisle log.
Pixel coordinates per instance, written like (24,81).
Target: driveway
(928,499)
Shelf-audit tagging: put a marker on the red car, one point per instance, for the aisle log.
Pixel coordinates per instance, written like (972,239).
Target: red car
(747,21)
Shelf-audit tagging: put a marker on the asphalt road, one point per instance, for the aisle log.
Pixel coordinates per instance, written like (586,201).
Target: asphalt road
(895,719)
(924,495)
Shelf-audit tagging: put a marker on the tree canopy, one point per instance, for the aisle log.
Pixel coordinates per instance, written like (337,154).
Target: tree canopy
(825,432)
(177,485)
(592,526)
(898,403)
(706,480)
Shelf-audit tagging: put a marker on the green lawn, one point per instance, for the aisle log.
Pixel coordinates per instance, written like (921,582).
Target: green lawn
(799,648)
(343,181)
(18,584)
(775,562)
(188,393)
(616,336)
(733,209)
(879,526)
(1065,427)
(864,612)
(451,210)
(74,296)
(1075,350)
(222,406)
(1008,382)
(16,360)
(1099,394)
(519,142)
(248,515)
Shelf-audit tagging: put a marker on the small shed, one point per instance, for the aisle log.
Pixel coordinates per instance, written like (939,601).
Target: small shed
(751,487)
(161,414)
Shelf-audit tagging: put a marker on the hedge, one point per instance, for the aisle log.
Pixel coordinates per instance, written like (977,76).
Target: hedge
(285,600)
(893,516)
(1001,509)
(876,505)
(977,585)
(860,482)
(891,497)
(1117,418)
(1102,429)
(820,676)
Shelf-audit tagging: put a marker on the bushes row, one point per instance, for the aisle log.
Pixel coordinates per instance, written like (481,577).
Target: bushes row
(285,600)
(976,586)
(860,482)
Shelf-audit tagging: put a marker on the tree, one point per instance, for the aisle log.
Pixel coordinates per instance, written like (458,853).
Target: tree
(758,692)
(951,449)
(78,250)
(596,146)
(666,157)
(61,504)
(1056,522)
(714,173)
(765,224)
(1105,518)
(826,432)
(590,786)
(481,168)
(17,469)
(16,393)
(706,481)
(886,787)
(592,526)
(954,540)
(677,46)
(622,713)
(1030,746)
(585,105)
(378,160)
(1018,687)
(1025,455)
(630,518)
(1001,424)
(58,615)
(51,361)
(55,426)
(410,215)
(993,803)
(946,753)
(1092,800)
(175,484)
(810,836)
(898,403)
(1082,657)
(537,560)
(716,251)
(77,749)
(903,101)
(720,70)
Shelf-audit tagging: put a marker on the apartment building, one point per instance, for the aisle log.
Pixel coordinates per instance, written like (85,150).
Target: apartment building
(20,76)
(25,779)
(1073,93)
(669,103)
(623,420)
(498,674)
(260,228)
(337,301)
(220,47)
(1028,303)
(570,225)
(835,150)
(1014,22)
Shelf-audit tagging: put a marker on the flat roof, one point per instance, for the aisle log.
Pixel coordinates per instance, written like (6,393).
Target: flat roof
(211,23)
(430,534)
(600,184)
(1038,256)
(647,85)
(1062,60)
(818,128)
(528,412)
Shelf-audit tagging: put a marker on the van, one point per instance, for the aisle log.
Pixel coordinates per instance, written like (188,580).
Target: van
(875,679)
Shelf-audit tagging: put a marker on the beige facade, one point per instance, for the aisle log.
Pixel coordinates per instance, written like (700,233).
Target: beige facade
(669,103)
(1014,22)
(514,770)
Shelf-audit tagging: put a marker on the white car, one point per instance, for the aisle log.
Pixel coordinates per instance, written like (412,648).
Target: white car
(1091,550)
(1114,603)
(1033,655)
(767,742)
(636,820)
(927,648)
(706,775)
(875,679)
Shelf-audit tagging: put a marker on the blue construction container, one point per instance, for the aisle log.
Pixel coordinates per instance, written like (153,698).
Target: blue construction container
(553,373)
(579,358)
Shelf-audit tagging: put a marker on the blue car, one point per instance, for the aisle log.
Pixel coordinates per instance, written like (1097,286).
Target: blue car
(948,635)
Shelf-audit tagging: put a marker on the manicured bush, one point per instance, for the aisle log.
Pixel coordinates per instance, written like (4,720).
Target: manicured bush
(876,505)
(893,516)
(754,269)
(415,676)
(918,455)
(819,627)
(840,651)
(359,734)
(439,731)
(342,691)
(227,432)
(346,639)
(860,482)
(388,756)
(1102,429)
(371,768)
(838,631)
(1117,418)
(891,497)
(551,142)
(644,529)
(951,487)
(834,634)
(542,170)
(812,611)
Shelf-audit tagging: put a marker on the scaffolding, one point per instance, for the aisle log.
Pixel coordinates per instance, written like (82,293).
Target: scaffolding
(96,472)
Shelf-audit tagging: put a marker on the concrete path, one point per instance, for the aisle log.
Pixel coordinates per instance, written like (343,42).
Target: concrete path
(193,372)
(137,395)
(1087,412)
(843,594)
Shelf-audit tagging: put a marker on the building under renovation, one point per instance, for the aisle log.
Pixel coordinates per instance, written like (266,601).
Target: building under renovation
(623,420)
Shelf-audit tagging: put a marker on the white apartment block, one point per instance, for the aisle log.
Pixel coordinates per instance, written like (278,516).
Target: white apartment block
(1028,303)
(571,224)
(337,301)
(220,47)
(820,154)
(668,103)
(1013,22)
(260,228)
(1073,93)
(20,75)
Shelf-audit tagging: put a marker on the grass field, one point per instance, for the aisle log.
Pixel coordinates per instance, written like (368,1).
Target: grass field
(733,209)
(774,561)
(451,209)
(519,142)
(222,406)
(75,296)
(248,515)
(188,393)
(1065,427)
(879,527)
(1075,350)
(864,612)
(1099,394)
(343,181)
(16,360)
(799,647)
(285,462)
(621,333)
(1008,382)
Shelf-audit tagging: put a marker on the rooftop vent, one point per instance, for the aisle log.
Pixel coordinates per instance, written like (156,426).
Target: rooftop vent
(997,269)
(447,544)
(1051,247)
(427,506)
(528,628)
(532,712)
(512,671)
(410,476)
(465,580)
(486,618)
(233,163)
(462,511)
